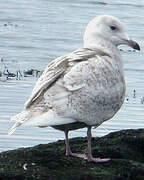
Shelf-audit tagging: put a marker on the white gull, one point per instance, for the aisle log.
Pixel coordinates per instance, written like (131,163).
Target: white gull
(81,89)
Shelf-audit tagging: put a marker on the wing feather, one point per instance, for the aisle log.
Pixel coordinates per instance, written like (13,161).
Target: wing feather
(57,68)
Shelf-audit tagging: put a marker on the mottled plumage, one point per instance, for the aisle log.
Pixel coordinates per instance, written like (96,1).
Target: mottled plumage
(81,89)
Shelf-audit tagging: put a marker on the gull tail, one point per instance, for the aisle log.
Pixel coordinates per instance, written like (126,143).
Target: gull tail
(37,119)
(13,128)
(19,120)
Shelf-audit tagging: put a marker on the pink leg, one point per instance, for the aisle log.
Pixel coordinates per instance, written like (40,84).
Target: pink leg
(89,155)
(68,150)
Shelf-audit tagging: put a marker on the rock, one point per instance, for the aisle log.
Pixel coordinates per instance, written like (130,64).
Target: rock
(29,72)
(32,72)
(48,161)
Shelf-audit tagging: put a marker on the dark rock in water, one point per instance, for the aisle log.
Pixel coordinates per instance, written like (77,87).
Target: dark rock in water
(29,72)
(32,72)
(9,74)
(48,162)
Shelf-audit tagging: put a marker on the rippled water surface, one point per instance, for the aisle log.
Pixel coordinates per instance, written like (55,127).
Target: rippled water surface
(32,33)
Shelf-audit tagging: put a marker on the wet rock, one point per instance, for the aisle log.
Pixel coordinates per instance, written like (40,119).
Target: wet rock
(125,148)
(29,72)
(9,74)
(142,100)
(10,24)
(32,72)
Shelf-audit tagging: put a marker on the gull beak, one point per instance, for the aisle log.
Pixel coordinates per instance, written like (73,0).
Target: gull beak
(126,40)
(133,44)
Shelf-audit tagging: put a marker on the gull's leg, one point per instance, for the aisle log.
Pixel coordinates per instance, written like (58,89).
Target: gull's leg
(68,150)
(89,155)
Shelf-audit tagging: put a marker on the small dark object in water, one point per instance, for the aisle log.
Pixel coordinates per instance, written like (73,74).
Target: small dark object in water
(19,72)
(29,72)
(134,93)
(38,73)
(2,59)
(18,75)
(8,74)
(142,100)
(32,72)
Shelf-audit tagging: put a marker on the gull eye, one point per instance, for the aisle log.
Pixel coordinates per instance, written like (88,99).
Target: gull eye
(113,28)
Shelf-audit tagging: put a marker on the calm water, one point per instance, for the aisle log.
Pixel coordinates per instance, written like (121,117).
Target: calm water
(32,33)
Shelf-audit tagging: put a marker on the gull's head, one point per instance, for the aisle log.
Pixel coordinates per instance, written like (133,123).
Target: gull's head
(107,30)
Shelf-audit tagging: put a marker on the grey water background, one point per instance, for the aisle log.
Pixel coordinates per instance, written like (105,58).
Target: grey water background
(32,33)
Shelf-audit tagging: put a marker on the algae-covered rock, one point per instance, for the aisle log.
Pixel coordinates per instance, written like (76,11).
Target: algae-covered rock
(125,148)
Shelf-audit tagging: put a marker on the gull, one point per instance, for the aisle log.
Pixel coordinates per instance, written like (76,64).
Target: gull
(81,89)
